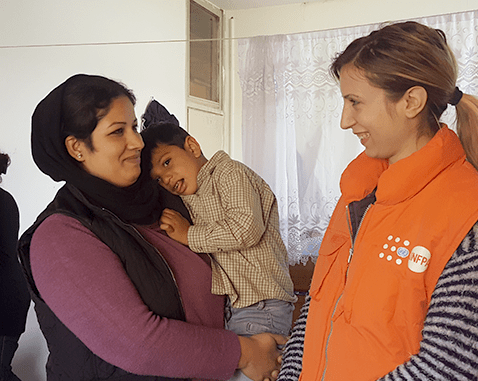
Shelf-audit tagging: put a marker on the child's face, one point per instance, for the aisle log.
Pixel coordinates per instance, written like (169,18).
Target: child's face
(176,169)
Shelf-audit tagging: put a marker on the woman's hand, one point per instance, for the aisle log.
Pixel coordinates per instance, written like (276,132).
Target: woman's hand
(175,225)
(260,355)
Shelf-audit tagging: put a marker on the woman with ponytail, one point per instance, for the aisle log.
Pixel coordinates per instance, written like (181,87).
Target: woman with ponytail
(394,293)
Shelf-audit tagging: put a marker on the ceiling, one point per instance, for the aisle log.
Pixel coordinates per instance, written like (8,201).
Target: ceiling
(246,4)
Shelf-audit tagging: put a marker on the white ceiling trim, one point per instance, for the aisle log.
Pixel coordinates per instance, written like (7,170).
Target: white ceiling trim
(247,4)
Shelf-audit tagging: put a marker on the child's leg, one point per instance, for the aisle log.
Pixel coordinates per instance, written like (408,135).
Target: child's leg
(272,316)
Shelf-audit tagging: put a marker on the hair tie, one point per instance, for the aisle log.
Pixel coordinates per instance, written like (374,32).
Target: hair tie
(456,97)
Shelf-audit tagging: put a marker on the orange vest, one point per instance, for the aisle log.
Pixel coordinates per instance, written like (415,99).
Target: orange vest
(365,316)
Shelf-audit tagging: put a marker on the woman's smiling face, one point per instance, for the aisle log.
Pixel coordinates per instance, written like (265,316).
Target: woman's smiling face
(117,145)
(380,124)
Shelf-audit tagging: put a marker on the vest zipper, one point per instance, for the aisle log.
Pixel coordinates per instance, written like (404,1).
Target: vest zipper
(155,249)
(328,337)
(349,223)
(351,251)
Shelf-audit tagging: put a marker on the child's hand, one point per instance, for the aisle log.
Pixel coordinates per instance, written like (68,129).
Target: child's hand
(175,225)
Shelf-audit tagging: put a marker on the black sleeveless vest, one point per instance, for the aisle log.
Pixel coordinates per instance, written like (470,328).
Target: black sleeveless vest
(69,358)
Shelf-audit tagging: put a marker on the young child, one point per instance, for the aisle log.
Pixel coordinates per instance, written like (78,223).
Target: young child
(235,218)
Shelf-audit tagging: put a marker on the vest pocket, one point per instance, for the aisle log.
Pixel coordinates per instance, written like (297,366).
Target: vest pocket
(327,266)
(380,294)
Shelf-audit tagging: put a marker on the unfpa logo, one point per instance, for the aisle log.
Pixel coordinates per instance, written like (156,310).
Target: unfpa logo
(396,250)
(419,259)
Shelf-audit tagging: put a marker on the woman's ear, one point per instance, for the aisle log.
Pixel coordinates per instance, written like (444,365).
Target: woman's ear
(415,99)
(74,148)
(191,145)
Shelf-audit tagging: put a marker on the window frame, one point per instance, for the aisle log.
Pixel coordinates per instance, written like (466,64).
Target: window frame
(197,102)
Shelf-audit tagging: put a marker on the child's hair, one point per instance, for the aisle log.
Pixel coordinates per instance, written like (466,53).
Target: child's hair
(4,163)
(402,55)
(160,133)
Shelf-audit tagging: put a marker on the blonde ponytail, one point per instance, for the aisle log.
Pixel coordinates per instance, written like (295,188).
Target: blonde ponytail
(467,126)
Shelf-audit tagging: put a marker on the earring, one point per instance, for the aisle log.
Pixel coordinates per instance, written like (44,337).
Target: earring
(79,156)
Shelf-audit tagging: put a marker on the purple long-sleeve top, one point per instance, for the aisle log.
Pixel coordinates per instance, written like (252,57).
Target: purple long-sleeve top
(85,285)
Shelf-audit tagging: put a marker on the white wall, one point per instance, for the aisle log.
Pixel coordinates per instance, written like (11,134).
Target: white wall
(27,74)
(322,15)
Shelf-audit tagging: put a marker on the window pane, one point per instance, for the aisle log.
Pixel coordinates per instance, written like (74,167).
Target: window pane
(204,55)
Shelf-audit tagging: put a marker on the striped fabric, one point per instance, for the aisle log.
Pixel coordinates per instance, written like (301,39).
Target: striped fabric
(449,349)
(292,356)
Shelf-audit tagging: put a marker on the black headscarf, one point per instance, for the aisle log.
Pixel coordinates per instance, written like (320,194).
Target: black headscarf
(138,203)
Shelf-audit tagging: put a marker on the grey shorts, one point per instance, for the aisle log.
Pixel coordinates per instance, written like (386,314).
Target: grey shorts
(271,315)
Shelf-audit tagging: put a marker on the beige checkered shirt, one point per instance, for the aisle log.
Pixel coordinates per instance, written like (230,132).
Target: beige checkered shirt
(236,219)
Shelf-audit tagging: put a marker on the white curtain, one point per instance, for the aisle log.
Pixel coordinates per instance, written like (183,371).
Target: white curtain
(291,119)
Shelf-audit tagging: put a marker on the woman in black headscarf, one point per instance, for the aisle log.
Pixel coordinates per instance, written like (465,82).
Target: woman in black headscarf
(116,299)
(14,297)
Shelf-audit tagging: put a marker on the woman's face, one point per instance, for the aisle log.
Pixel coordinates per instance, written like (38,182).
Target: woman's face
(381,125)
(117,145)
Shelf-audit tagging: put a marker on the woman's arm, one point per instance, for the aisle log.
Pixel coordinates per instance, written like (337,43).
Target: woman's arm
(85,285)
(294,349)
(14,295)
(449,349)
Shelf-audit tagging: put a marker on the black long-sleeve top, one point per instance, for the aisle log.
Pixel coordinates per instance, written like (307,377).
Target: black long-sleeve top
(14,295)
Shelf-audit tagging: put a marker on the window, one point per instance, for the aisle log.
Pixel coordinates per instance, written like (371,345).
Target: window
(205,51)
(205,107)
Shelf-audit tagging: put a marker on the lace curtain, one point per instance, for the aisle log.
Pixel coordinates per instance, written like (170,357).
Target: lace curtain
(291,119)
